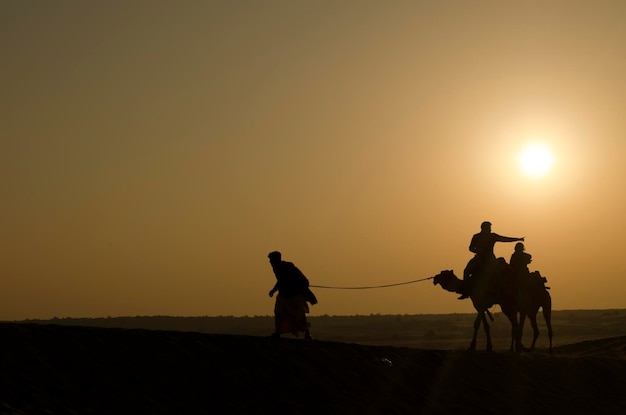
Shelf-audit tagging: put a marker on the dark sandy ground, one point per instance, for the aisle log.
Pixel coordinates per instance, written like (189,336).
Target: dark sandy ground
(55,369)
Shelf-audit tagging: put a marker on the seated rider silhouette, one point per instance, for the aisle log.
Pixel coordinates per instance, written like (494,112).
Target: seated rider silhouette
(520,261)
(482,246)
(519,265)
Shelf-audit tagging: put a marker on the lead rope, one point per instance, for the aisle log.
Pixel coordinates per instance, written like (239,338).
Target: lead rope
(372,286)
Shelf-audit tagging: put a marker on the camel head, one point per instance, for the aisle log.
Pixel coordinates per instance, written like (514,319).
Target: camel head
(447,280)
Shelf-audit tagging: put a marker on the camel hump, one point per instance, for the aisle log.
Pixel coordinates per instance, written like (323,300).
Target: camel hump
(538,280)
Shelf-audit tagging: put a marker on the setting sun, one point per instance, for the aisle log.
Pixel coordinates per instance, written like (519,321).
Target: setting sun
(536,160)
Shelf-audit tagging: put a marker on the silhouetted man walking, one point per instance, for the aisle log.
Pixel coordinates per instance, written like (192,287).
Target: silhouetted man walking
(291,302)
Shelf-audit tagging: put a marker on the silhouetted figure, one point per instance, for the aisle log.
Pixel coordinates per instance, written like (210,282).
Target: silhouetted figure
(293,294)
(482,246)
(519,264)
(520,261)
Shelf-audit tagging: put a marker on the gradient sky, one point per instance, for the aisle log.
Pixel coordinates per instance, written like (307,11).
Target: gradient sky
(153,152)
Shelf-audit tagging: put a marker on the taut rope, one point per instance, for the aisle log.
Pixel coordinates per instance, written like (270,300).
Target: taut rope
(372,286)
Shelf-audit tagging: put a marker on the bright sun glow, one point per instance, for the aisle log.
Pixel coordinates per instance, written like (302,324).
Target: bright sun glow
(536,160)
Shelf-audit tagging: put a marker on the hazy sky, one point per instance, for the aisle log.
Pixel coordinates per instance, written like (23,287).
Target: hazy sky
(153,152)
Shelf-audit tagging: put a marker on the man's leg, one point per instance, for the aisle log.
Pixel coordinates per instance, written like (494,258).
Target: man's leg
(468,273)
(276,334)
(277,319)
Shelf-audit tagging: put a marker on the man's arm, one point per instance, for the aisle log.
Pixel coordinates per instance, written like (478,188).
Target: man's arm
(276,273)
(273,290)
(500,238)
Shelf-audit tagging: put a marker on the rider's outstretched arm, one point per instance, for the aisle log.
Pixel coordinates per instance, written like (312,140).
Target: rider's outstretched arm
(508,239)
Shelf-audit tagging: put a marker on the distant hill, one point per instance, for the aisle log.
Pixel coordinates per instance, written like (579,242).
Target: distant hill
(429,331)
(56,369)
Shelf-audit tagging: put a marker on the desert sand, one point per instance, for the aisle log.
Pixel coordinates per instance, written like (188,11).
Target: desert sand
(55,369)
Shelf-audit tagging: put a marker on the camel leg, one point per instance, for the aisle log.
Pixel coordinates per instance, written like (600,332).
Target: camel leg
(512,340)
(516,338)
(533,323)
(522,320)
(515,331)
(547,315)
(476,327)
(487,332)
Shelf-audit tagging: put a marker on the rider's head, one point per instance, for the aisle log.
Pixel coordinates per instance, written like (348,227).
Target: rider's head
(519,247)
(274,257)
(485,226)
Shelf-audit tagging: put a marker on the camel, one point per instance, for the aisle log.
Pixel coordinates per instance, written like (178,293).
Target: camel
(534,295)
(493,286)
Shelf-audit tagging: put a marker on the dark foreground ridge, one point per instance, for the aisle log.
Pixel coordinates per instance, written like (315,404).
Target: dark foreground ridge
(60,370)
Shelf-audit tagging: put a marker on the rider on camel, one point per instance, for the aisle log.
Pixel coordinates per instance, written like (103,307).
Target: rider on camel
(519,264)
(482,246)
(520,261)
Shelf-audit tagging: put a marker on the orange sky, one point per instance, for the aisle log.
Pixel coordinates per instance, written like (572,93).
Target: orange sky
(153,152)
